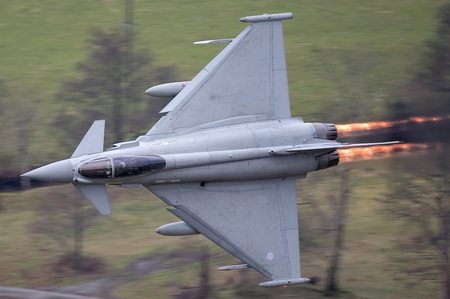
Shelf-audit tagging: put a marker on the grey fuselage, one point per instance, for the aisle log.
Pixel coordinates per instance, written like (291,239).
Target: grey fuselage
(246,151)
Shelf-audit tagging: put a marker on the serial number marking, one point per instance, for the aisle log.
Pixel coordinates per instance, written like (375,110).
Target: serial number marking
(167,181)
(159,143)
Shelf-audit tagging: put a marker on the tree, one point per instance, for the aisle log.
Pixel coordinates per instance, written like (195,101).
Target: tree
(436,72)
(339,219)
(2,108)
(204,284)
(330,210)
(423,200)
(428,93)
(64,218)
(17,117)
(111,86)
(353,75)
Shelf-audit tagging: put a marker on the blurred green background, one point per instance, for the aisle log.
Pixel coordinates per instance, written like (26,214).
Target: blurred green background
(348,61)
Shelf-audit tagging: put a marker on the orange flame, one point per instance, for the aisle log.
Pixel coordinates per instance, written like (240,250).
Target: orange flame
(382,151)
(345,128)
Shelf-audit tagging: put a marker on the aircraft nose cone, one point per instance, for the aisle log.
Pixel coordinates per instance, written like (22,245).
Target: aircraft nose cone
(58,172)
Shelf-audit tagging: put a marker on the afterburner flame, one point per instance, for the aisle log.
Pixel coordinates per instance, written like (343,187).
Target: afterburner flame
(381,152)
(374,125)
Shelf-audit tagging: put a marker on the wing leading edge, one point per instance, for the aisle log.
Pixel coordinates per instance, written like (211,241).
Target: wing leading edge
(256,221)
(246,81)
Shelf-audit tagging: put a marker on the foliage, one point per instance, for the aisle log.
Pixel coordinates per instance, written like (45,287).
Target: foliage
(111,84)
(329,204)
(42,41)
(436,72)
(353,74)
(17,118)
(423,200)
(428,93)
(82,264)
(28,260)
(64,219)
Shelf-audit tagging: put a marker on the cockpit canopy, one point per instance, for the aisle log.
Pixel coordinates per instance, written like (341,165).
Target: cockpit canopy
(121,166)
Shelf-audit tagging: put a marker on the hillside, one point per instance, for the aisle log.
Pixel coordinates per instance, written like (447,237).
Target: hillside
(343,58)
(340,54)
(41,41)
(138,263)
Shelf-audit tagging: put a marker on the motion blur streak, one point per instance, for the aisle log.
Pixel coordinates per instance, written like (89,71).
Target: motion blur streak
(345,128)
(381,152)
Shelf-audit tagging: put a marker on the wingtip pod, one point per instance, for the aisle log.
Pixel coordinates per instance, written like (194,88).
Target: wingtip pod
(283,282)
(267,17)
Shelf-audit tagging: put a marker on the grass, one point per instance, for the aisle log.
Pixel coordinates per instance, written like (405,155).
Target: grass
(367,269)
(380,41)
(42,41)
(128,234)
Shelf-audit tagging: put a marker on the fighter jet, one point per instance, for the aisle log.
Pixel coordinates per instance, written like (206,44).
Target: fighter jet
(225,156)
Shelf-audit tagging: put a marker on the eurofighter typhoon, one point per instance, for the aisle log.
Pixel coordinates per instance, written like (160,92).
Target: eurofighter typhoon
(225,156)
